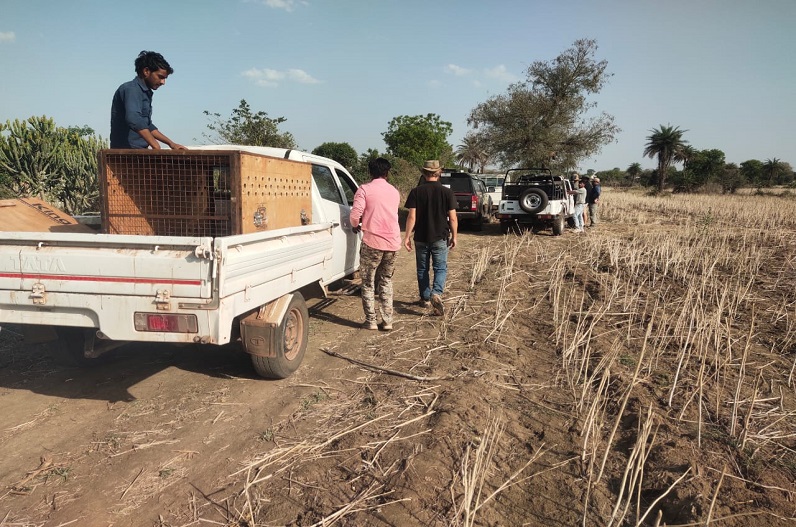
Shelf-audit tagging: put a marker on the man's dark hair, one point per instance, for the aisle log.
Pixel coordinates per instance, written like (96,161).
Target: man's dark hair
(151,61)
(378,168)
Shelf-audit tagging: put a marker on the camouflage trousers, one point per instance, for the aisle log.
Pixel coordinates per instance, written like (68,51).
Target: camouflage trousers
(376,269)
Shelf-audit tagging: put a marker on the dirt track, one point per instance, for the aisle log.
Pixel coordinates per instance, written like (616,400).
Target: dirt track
(139,436)
(472,418)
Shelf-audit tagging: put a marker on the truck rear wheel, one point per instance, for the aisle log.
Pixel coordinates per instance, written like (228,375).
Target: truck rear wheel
(289,342)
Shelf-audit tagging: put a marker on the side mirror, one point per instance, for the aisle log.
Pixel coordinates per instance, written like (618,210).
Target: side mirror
(490,189)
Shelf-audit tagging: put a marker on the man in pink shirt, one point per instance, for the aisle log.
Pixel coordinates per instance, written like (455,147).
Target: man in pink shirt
(375,212)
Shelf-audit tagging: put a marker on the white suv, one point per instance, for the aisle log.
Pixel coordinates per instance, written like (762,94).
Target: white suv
(535,198)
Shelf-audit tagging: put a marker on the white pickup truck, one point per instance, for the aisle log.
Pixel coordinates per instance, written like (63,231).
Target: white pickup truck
(101,290)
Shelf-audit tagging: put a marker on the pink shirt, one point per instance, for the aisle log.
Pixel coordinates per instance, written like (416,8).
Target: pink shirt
(376,207)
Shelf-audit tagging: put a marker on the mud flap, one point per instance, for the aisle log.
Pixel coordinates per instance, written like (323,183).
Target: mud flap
(257,329)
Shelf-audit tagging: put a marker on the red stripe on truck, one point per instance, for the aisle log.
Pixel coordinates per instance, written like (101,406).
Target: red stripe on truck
(105,279)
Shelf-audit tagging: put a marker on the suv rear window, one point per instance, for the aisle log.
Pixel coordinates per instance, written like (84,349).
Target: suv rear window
(457,182)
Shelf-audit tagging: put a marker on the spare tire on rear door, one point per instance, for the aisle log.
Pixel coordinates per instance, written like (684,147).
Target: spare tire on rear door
(533,200)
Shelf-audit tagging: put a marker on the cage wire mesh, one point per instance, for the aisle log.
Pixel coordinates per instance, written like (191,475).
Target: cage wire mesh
(167,194)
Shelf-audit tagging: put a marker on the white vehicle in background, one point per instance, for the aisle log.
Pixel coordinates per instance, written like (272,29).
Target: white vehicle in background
(494,187)
(536,199)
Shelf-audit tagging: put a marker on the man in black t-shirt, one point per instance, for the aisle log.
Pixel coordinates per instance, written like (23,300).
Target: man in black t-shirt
(433,226)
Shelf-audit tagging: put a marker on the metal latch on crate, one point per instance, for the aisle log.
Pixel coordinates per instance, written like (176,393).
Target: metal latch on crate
(260,218)
(38,294)
(163,299)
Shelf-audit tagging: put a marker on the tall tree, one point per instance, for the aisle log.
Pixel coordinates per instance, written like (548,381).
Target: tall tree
(731,178)
(472,153)
(633,172)
(548,118)
(664,143)
(752,171)
(244,127)
(419,137)
(773,169)
(343,153)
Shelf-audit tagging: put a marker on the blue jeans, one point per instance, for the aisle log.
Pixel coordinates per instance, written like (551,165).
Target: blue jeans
(434,255)
(579,216)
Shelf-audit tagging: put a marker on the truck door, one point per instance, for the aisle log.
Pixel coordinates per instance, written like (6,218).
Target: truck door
(337,209)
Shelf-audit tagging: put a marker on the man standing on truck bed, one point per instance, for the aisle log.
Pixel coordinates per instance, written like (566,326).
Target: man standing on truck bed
(376,207)
(131,110)
(432,219)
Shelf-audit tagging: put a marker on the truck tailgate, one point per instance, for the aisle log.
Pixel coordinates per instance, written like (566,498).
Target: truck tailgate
(104,264)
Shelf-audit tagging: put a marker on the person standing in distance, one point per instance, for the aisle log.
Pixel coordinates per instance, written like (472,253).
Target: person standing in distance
(580,203)
(433,225)
(375,212)
(593,199)
(131,110)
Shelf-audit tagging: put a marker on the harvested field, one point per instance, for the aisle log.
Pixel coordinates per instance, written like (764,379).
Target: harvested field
(641,373)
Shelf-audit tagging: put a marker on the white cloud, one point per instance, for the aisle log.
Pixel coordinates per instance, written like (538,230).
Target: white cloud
(457,70)
(477,77)
(271,78)
(287,5)
(301,77)
(500,73)
(7,36)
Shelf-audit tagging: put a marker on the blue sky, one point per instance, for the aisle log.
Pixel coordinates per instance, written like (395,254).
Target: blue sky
(340,70)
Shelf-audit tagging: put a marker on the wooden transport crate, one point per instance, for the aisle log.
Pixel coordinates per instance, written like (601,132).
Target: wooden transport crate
(201,192)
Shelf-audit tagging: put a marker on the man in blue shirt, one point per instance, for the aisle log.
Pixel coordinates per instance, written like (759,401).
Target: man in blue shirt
(131,111)
(593,200)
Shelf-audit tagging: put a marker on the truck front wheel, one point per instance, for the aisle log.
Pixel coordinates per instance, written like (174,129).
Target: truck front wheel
(289,342)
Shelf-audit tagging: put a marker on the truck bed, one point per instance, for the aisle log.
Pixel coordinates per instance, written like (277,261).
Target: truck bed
(102,280)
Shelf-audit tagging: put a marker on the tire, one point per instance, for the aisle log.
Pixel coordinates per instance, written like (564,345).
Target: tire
(558,225)
(289,342)
(533,200)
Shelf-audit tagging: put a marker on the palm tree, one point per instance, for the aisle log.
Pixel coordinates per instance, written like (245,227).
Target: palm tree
(773,168)
(633,172)
(684,155)
(471,153)
(666,143)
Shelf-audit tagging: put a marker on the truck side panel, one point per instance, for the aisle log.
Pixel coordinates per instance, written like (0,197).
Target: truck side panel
(239,274)
(104,264)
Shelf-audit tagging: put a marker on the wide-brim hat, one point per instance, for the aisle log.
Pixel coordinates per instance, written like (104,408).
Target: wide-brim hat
(431,166)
